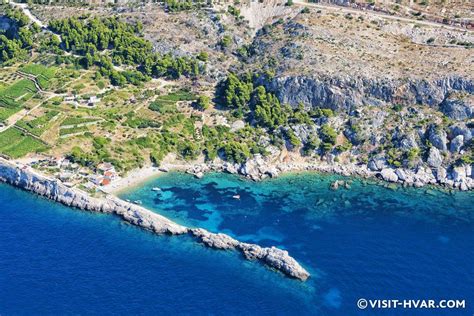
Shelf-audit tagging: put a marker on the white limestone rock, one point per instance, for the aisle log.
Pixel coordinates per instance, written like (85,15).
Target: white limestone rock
(441,174)
(456,144)
(401,174)
(218,241)
(389,175)
(434,158)
(280,260)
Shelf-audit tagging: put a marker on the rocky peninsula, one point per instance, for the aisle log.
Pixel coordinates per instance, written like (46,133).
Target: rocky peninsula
(27,179)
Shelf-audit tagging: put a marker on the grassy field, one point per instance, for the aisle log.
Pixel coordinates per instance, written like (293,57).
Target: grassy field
(16,144)
(42,73)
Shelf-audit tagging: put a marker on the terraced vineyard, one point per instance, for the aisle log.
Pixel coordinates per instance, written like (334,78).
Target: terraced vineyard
(78,121)
(14,96)
(19,92)
(5,113)
(40,124)
(167,103)
(72,131)
(14,143)
(42,73)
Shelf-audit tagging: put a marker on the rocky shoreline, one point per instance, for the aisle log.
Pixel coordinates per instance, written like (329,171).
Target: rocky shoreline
(25,178)
(258,168)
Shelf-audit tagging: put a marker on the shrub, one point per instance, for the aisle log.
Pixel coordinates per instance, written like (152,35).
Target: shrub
(226,41)
(328,136)
(236,152)
(203,102)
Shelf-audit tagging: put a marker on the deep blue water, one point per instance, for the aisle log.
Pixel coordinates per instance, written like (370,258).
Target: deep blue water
(366,242)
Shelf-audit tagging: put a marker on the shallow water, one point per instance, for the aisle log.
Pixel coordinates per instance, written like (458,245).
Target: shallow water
(366,242)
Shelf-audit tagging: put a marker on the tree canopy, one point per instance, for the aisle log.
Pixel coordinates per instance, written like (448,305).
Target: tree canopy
(126,47)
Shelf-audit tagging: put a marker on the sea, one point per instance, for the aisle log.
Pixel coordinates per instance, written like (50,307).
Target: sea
(370,241)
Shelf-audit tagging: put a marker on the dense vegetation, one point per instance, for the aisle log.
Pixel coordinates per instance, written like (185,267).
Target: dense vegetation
(16,41)
(248,99)
(90,36)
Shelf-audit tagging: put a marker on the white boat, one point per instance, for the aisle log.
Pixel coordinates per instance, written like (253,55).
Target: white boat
(138,202)
(237,197)
(156,189)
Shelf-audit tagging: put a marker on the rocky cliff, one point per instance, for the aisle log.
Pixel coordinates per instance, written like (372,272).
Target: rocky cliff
(348,93)
(54,189)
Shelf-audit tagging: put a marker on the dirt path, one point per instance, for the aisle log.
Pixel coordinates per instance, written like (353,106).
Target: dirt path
(379,14)
(27,12)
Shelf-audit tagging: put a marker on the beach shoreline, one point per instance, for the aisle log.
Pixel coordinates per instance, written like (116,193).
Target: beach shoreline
(133,179)
(258,169)
(137,177)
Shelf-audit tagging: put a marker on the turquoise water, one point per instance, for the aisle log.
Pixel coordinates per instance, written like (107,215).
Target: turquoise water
(368,241)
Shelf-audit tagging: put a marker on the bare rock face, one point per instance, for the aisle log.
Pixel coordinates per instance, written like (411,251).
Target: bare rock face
(260,13)
(438,138)
(441,174)
(251,251)
(345,94)
(401,174)
(142,217)
(377,163)
(461,129)
(434,158)
(275,258)
(457,109)
(456,144)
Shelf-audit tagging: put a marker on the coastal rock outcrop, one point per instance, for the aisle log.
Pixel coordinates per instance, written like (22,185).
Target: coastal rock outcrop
(389,175)
(280,260)
(219,241)
(30,180)
(273,257)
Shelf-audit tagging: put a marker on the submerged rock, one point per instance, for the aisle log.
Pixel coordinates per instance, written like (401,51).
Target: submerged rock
(141,217)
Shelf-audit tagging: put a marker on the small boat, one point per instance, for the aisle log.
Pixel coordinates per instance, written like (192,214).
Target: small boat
(156,189)
(237,197)
(127,200)
(138,202)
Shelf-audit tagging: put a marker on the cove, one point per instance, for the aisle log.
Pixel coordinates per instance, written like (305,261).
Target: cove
(365,242)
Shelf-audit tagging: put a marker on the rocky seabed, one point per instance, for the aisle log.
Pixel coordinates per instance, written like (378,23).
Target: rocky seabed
(258,168)
(27,179)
